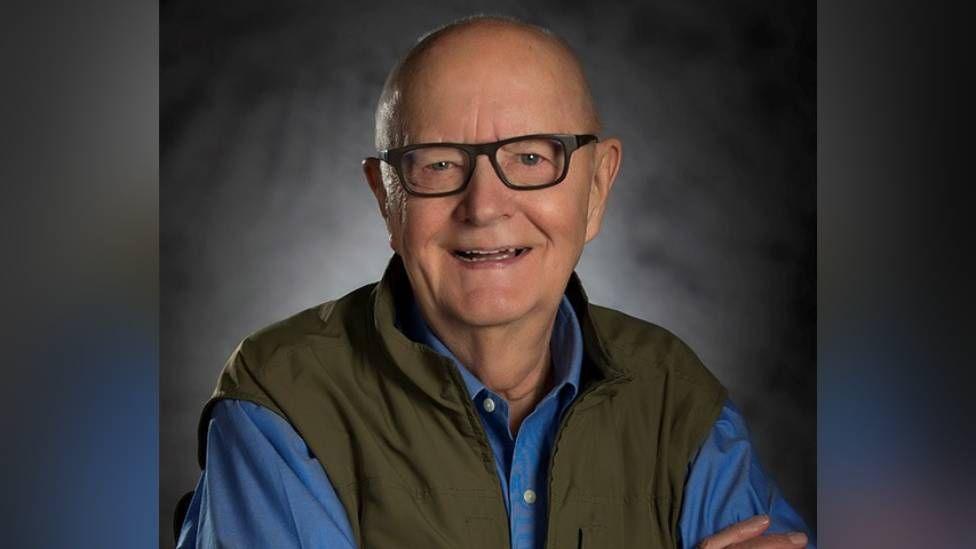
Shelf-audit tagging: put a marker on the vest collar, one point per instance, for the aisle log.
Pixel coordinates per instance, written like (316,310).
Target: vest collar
(429,370)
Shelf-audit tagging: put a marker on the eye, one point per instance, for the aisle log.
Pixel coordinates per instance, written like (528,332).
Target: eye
(440,166)
(529,159)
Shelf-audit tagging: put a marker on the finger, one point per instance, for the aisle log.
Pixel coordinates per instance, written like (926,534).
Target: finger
(738,532)
(792,540)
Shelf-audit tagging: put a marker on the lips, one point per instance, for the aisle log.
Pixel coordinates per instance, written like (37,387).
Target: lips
(489,254)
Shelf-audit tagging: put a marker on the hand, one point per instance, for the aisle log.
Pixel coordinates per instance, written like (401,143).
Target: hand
(747,535)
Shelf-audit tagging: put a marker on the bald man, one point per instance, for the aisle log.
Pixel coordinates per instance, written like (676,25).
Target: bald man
(473,397)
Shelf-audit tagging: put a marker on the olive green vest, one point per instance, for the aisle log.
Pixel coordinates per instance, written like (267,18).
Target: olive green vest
(391,422)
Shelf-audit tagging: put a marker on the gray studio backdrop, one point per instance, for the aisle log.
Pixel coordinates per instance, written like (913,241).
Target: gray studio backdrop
(266,112)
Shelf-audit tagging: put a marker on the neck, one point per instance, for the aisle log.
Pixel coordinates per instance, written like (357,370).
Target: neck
(512,360)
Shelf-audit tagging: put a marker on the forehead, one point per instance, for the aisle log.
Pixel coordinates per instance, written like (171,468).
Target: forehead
(481,86)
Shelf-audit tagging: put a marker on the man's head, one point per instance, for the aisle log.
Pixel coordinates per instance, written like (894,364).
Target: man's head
(476,81)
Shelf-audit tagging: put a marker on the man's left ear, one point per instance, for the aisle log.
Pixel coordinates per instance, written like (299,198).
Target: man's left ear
(607,164)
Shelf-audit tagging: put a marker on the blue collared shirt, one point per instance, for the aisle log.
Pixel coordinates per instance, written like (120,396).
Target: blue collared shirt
(263,488)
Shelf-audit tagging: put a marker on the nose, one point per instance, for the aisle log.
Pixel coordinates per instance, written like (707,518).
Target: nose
(486,199)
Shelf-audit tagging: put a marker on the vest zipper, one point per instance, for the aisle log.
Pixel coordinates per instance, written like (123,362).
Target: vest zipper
(555,445)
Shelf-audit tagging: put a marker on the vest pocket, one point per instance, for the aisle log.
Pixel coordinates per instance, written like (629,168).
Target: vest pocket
(393,517)
(593,536)
(609,522)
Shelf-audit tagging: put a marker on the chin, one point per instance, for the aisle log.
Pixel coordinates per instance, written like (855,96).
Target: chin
(491,310)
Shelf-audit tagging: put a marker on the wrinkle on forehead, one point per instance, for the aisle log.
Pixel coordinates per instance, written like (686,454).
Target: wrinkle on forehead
(478,53)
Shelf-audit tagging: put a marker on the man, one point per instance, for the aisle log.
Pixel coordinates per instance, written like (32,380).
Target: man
(473,397)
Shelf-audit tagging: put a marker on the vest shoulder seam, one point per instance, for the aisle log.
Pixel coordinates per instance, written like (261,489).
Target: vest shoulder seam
(652,346)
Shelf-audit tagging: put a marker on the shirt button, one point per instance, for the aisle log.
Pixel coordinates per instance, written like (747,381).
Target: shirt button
(529,496)
(489,405)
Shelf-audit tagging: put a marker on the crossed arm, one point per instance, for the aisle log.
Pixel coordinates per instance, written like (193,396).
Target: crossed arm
(263,488)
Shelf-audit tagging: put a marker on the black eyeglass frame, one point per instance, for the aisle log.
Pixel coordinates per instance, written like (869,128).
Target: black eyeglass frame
(570,143)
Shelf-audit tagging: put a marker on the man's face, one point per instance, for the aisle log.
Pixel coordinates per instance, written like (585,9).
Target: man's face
(478,89)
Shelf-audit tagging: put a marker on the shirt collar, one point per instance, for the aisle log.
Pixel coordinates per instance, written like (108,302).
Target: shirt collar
(565,344)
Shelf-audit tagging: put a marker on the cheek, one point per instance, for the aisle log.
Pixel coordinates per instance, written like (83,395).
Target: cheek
(563,215)
(422,226)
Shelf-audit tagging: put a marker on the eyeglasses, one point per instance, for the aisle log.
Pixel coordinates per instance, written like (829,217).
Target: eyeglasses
(522,163)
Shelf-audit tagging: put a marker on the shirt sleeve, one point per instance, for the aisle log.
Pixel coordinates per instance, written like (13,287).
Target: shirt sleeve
(727,485)
(261,487)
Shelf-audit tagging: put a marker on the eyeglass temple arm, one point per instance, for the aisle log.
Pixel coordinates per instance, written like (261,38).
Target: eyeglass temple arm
(585,140)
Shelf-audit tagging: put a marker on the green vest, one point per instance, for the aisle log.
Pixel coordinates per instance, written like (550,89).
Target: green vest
(391,422)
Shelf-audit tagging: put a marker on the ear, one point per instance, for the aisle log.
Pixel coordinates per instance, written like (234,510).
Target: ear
(607,162)
(374,176)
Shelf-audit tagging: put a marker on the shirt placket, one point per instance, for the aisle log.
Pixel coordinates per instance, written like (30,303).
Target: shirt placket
(527,495)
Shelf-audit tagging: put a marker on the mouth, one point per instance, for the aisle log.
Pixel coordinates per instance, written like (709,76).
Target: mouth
(496,254)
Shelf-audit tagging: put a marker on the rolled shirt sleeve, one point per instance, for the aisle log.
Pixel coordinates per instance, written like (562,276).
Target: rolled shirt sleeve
(726,485)
(261,487)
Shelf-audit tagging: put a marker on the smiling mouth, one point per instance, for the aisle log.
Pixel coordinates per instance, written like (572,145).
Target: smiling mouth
(498,254)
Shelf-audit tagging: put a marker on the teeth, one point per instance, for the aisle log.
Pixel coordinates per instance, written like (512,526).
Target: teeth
(489,252)
(470,255)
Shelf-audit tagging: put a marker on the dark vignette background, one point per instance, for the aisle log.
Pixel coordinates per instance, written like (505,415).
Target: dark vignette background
(267,109)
